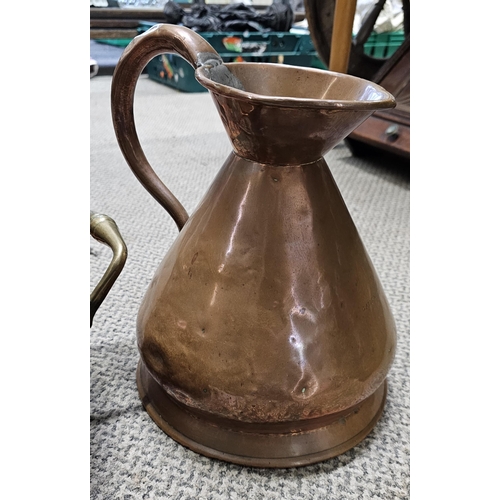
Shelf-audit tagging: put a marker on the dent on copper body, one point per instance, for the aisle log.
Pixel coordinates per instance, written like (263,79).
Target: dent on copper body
(265,335)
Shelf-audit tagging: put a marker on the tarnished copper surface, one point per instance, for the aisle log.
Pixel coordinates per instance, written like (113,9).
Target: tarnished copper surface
(265,335)
(301,114)
(267,308)
(259,446)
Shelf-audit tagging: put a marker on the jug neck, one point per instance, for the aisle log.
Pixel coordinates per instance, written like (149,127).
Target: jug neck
(287,115)
(280,135)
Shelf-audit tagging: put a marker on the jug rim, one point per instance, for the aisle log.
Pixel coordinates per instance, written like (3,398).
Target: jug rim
(387,100)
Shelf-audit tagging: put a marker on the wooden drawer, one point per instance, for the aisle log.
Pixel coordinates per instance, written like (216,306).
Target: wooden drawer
(388,135)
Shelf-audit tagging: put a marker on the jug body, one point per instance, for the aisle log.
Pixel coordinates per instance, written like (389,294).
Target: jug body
(265,336)
(267,306)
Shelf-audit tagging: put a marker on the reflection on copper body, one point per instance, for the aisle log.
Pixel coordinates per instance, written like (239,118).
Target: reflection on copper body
(265,335)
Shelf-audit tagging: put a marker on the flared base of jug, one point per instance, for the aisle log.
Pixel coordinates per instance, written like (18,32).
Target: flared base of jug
(273,445)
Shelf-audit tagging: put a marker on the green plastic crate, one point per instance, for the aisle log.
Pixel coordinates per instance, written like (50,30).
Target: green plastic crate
(287,48)
(258,43)
(379,45)
(173,71)
(251,42)
(116,42)
(383,45)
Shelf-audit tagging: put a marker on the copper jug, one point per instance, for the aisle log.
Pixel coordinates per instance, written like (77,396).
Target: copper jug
(265,337)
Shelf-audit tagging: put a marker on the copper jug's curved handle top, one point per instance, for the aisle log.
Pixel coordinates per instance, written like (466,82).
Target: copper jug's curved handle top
(105,230)
(160,39)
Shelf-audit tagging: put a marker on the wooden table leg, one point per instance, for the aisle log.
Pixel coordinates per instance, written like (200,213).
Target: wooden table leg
(343,21)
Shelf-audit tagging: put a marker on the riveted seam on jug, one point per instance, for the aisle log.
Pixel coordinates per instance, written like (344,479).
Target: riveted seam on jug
(277,165)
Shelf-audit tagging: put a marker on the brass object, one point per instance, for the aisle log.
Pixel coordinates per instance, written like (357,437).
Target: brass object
(104,229)
(265,336)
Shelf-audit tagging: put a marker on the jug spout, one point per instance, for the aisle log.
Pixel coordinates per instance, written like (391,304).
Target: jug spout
(287,115)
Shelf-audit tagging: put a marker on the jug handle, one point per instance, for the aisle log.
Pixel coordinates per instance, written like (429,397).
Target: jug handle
(159,39)
(105,230)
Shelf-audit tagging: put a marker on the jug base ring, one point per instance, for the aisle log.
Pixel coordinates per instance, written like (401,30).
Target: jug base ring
(254,449)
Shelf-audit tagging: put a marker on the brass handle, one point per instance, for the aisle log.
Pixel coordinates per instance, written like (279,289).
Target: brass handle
(160,39)
(105,230)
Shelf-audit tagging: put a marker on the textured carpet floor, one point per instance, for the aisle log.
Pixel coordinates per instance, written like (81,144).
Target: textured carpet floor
(131,458)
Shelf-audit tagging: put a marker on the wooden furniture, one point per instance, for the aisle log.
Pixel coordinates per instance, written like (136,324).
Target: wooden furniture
(389,129)
(113,22)
(330,24)
(343,20)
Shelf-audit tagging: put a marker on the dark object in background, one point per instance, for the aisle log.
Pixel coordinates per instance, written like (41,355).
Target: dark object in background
(279,16)
(173,12)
